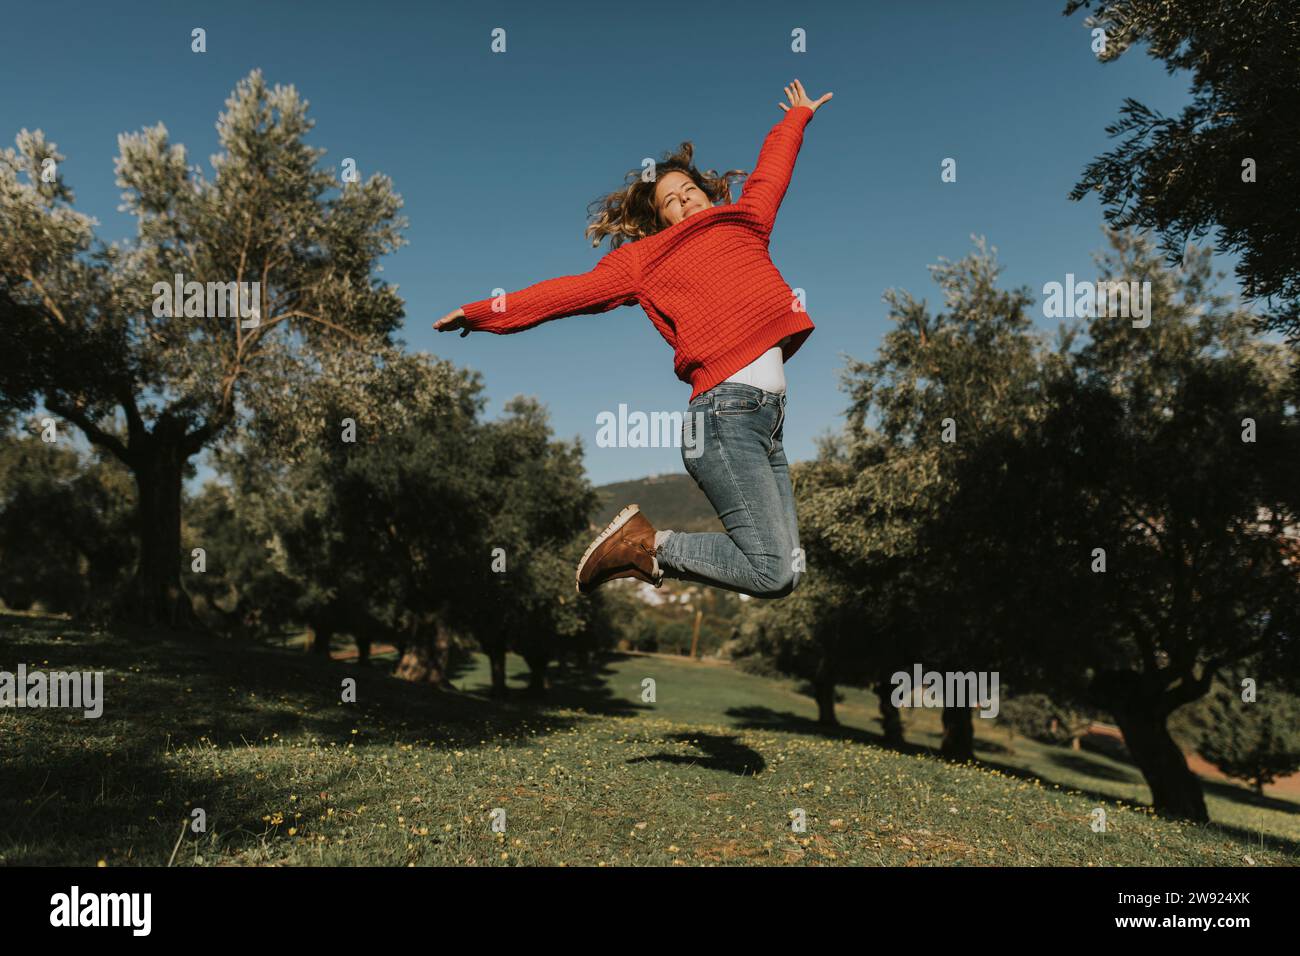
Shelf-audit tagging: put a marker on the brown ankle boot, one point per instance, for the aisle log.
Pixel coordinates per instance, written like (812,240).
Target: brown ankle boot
(625,549)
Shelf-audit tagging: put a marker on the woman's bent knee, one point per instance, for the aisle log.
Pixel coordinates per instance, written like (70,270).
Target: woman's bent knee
(778,584)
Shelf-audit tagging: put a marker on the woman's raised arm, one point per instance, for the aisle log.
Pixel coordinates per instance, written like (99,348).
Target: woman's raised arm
(766,185)
(613,282)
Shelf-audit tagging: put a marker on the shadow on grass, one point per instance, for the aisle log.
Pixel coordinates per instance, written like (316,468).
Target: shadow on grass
(76,787)
(981,746)
(1253,838)
(765,718)
(723,752)
(1228,791)
(1271,841)
(1091,768)
(1130,773)
(586,688)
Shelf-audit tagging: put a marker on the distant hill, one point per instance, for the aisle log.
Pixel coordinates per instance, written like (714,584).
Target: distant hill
(672,502)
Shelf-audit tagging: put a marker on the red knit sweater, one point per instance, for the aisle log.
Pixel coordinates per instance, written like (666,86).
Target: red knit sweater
(707,283)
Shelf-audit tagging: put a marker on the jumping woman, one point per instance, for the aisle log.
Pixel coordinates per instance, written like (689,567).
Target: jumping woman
(698,264)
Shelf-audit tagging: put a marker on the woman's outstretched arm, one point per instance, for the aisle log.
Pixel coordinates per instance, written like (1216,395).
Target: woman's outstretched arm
(613,282)
(766,185)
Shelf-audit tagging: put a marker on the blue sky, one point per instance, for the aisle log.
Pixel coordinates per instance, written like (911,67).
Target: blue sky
(497,156)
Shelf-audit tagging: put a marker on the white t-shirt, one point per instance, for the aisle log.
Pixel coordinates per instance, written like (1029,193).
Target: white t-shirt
(766,372)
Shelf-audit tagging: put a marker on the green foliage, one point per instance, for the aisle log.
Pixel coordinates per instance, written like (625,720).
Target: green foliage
(78,333)
(812,632)
(1038,717)
(1139,452)
(429,514)
(356,528)
(1257,741)
(1182,176)
(1139,458)
(870,502)
(242,588)
(977,553)
(66,535)
(87,337)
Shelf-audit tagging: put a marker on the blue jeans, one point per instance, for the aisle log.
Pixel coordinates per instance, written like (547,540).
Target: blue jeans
(733,436)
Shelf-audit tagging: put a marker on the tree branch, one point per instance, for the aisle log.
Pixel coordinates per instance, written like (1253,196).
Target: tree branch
(134,423)
(78,417)
(49,302)
(312,318)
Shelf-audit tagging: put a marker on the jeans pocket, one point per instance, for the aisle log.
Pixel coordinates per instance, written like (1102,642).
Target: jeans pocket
(693,429)
(738,405)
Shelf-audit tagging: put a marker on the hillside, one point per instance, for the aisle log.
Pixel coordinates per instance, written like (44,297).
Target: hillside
(708,773)
(671,502)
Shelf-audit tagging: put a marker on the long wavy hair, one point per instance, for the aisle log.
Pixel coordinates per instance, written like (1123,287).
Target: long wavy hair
(629,213)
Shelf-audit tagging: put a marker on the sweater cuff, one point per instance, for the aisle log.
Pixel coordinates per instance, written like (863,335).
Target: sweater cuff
(478,311)
(798,116)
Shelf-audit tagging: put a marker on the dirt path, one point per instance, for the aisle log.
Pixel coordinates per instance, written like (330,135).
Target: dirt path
(1288,787)
(351,653)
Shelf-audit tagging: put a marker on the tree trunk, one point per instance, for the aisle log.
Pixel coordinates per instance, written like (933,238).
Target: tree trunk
(497,662)
(537,682)
(824,692)
(426,654)
(401,634)
(364,629)
(958,734)
(891,721)
(320,634)
(1175,790)
(155,596)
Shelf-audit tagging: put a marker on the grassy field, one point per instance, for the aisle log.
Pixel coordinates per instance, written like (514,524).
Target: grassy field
(709,773)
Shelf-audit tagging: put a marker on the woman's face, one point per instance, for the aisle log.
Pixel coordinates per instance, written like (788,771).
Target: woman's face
(677,197)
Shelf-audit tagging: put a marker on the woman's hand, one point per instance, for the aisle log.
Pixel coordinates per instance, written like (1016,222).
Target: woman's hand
(451,322)
(798,97)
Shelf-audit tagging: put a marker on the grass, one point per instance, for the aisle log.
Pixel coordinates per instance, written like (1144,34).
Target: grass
(286,773)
